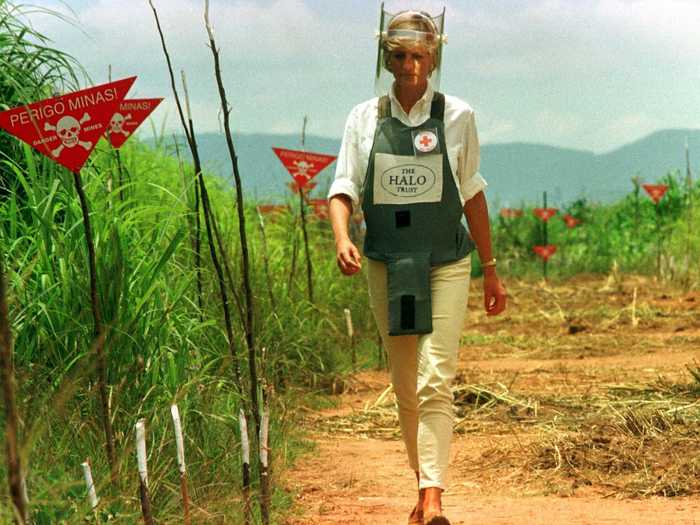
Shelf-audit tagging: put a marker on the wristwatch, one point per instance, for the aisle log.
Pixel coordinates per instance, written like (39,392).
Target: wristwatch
(492,262)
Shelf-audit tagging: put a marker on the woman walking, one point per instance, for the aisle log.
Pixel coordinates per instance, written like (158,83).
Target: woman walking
(409,158)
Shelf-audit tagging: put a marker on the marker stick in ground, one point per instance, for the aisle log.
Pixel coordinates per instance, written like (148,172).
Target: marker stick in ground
(303,166)
(348,325)
(25,494)
(656,192)
(265,478)
(544,214)
(245,453)
(263,437)
(143,471)
(180,446)
(90,485)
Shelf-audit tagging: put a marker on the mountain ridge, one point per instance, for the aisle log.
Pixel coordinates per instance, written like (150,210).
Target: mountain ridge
(516,172)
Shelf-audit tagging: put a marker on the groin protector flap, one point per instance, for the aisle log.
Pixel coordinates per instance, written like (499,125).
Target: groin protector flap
(409,294)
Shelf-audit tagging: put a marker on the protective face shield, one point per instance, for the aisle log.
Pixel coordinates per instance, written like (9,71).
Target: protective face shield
(408,29)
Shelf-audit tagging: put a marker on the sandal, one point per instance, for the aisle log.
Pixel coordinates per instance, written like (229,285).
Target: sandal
(436,519)
(416,517)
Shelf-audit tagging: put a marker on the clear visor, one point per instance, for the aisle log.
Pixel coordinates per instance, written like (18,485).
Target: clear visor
(407,37)
(411,35)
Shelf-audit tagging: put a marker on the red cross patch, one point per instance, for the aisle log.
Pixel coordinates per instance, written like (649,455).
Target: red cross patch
(425,141)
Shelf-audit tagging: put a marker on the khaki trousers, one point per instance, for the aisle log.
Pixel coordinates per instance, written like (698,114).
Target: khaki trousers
(423,366)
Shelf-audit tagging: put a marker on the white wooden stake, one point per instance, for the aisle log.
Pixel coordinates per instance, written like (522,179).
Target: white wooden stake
(635,321)
(141,450)
(25,495)
(245,452)
(348,322)
(245,444)
(264,423)
(180,445)
(92,493)
(179,441)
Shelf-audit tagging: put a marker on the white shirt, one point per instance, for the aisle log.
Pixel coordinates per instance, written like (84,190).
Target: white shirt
(460,135)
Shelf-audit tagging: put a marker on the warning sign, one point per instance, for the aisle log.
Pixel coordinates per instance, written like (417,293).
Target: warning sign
(130,116)
(655,191)
(301,165)
(545,213)
(571,221)
(545,251)
(67,128)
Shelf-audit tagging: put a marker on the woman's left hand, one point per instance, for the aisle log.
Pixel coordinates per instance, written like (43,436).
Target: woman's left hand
(494,294)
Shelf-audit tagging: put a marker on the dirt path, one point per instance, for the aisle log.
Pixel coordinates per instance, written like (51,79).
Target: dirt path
(359,473)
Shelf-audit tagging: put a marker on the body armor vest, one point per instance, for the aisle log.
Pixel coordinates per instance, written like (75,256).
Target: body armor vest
(413,212)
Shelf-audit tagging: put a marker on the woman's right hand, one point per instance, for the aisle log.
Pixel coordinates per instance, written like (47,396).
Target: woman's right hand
(348,257)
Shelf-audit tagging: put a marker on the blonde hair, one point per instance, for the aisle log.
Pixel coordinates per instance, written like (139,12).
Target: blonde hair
(410,21)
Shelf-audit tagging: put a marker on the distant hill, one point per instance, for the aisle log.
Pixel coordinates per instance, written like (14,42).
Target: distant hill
(516,172)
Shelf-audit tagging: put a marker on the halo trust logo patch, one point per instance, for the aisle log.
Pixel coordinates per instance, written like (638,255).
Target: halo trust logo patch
(408,180)
(425,141)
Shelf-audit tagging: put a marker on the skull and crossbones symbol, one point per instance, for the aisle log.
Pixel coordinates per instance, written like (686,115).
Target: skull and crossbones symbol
(68,130)
(116,125)
(302,168)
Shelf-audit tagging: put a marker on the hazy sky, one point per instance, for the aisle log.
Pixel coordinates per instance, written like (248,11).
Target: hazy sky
(586,74)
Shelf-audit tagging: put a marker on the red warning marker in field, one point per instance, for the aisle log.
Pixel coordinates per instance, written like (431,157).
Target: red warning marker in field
(272,209)
(510,213)
(294,187)
(655,191)
(67,128)
(571,221)
(320,208)
(545,213)
(128,118)
(301,165)
(545,251)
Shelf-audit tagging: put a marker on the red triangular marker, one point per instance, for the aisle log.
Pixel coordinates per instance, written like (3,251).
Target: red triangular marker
(301,165)
(570,220)
(545,251)
(128,118)
(66,128)
(655,191)
(545,213)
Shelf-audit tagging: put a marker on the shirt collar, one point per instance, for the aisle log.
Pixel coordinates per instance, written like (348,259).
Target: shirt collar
(421,105)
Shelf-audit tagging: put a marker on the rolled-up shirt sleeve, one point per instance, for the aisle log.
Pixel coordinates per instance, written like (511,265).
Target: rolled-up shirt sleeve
(471,181)
(347,173)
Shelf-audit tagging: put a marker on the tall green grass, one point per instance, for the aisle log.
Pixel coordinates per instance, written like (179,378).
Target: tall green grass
(622,233)
(160,347)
